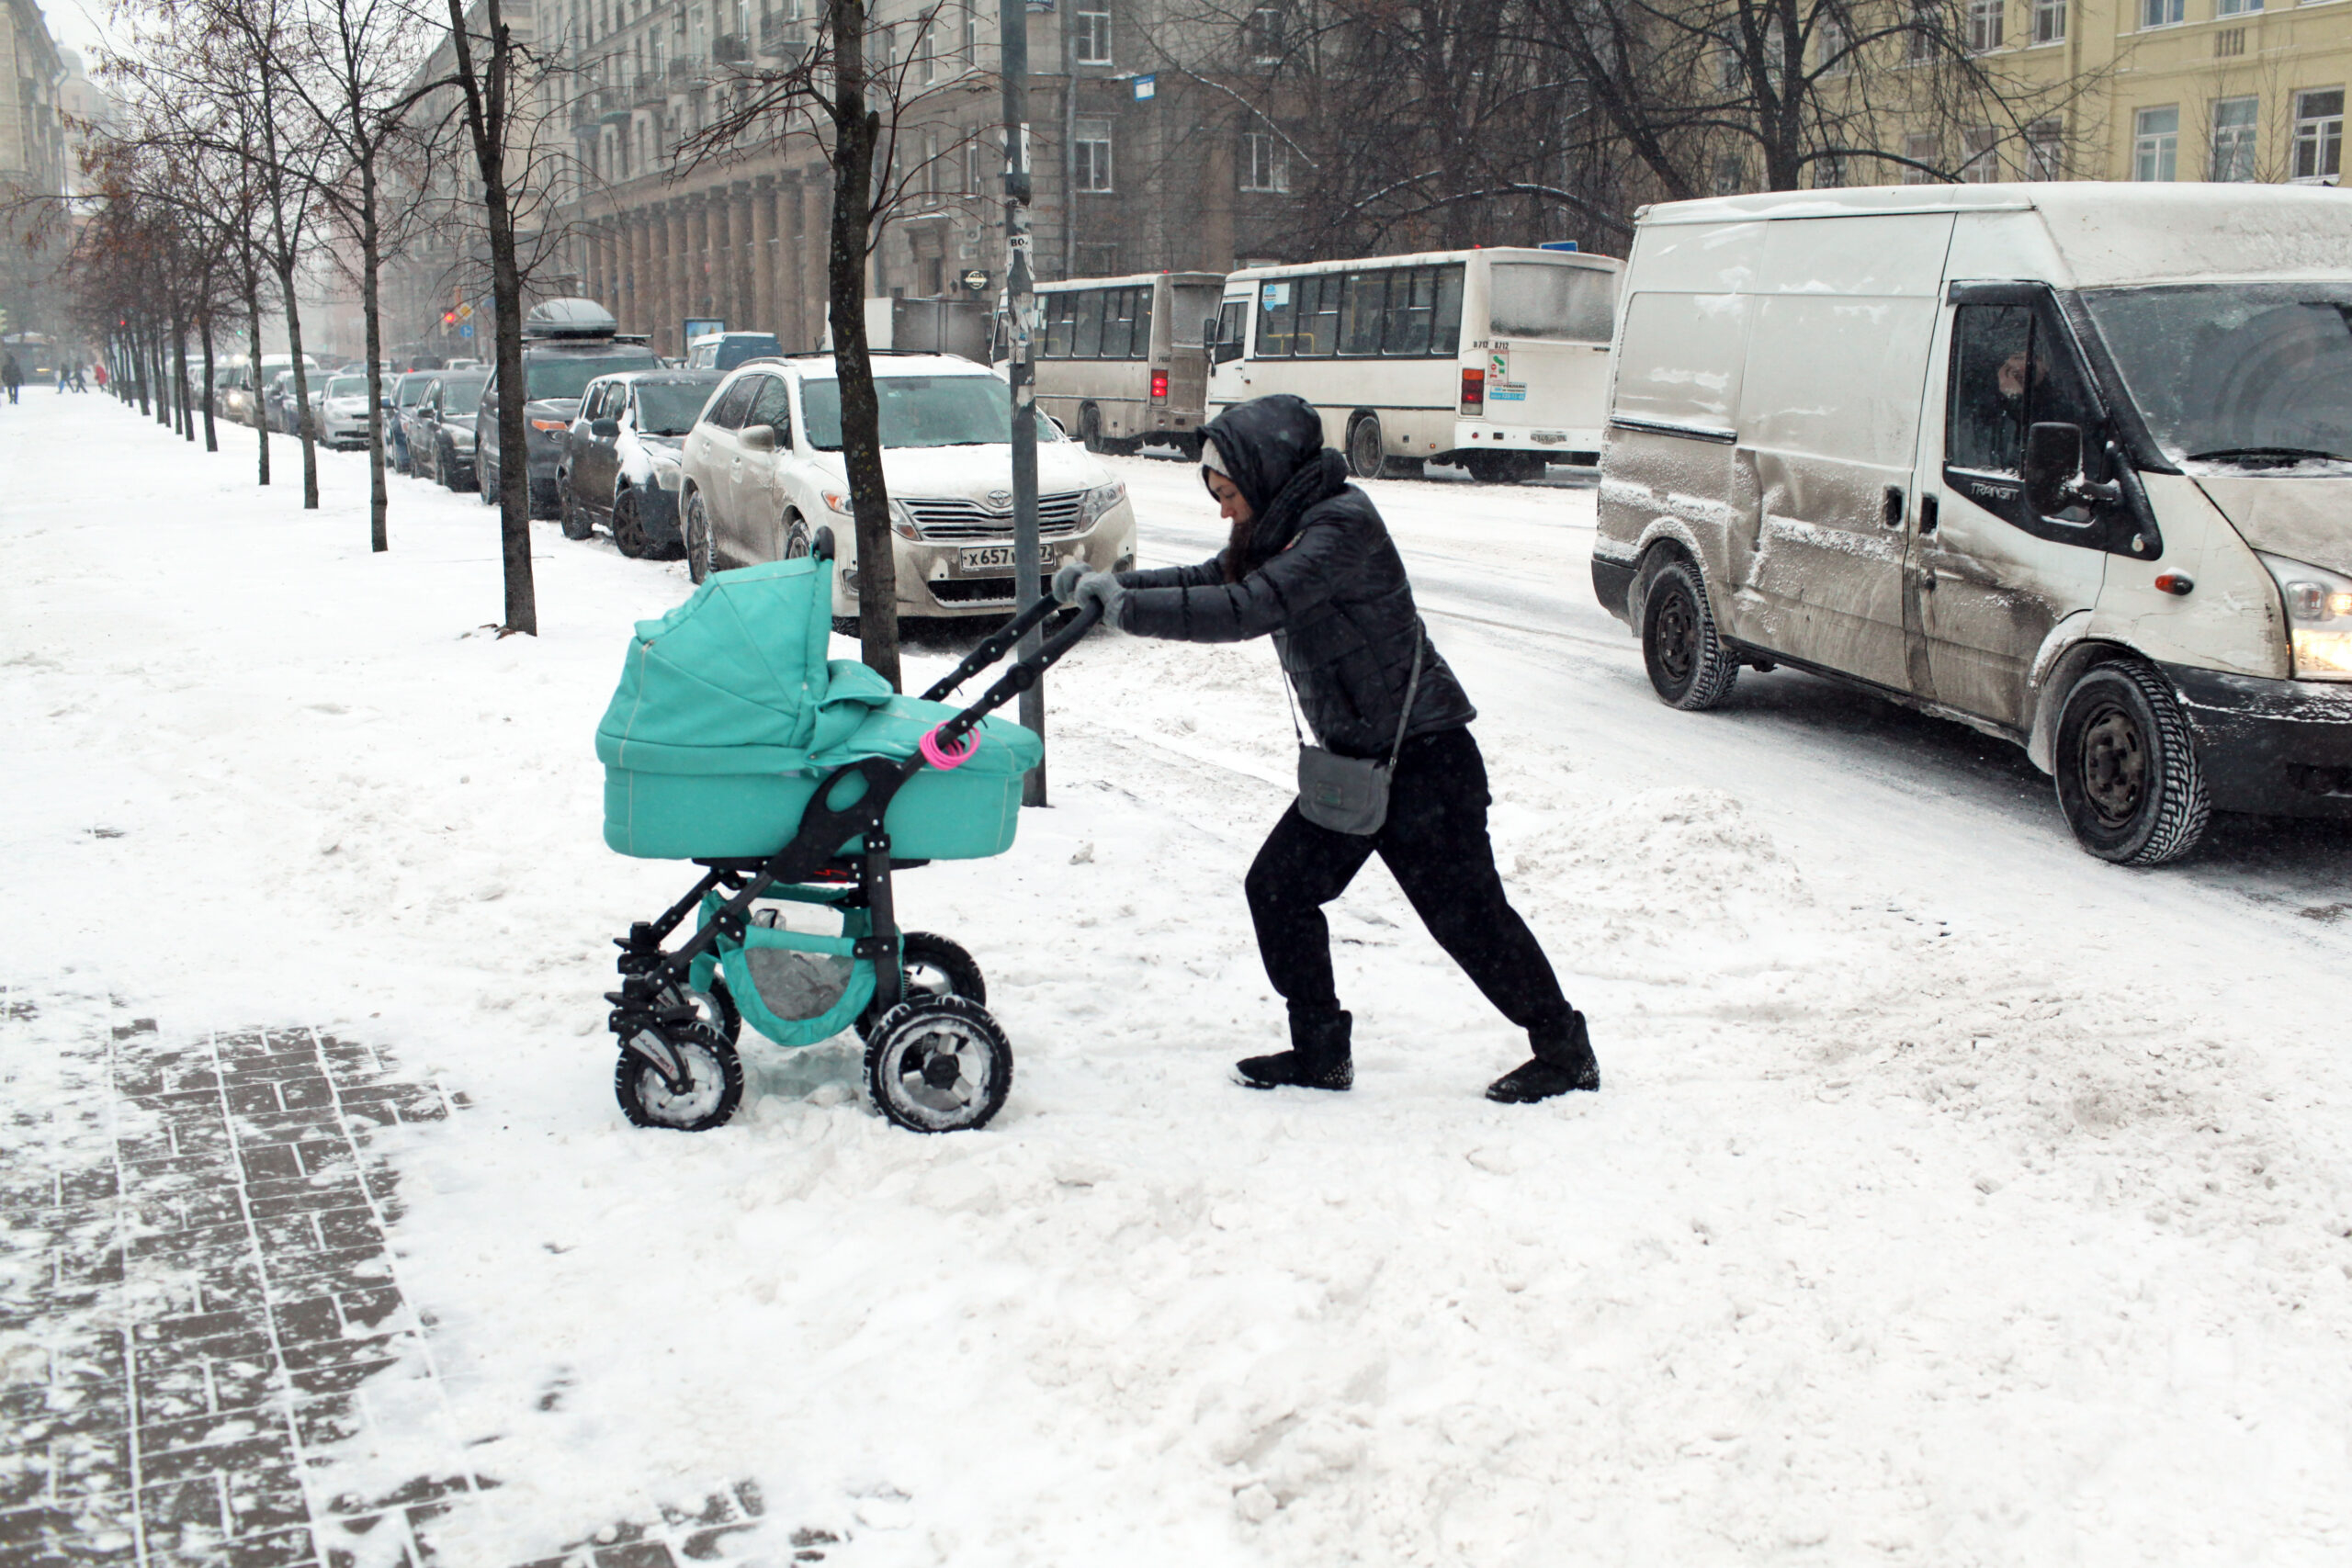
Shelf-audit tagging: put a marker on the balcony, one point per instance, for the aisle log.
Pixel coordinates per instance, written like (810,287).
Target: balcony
(684,70)
(784,37)
(730,49)
(652,87)
(614,105)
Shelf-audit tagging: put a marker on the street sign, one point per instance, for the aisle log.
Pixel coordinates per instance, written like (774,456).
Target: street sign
(1146,86)
(974,279)
(701,326)
(466,313)
(465,329)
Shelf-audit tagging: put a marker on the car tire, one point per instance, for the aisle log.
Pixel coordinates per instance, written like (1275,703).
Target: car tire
(575,521)
(798,541)
(2126,769)
(629,524)
(446,465)
(1688,664)
(1367,448)
(485,481)
(702,551)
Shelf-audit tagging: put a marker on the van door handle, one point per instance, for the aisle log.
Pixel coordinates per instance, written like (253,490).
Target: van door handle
(1894,506)
(1928,515)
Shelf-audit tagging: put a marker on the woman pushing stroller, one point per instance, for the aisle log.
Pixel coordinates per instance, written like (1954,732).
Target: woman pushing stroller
(1310,562)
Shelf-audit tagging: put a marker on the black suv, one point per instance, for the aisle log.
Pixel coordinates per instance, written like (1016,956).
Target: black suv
(566,345)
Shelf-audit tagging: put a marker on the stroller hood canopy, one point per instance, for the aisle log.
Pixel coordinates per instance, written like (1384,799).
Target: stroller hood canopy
(730,681)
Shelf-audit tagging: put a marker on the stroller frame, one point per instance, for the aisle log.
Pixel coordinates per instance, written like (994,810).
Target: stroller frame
(667,1022)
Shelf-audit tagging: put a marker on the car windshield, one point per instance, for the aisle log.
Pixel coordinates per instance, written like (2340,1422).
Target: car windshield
(920,411)
(568,374)
(2254,376)
(668,408)
(348,387)
(737,347)
(412,391)
(462,397)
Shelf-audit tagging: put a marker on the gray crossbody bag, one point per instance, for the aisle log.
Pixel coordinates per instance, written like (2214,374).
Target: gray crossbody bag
(1350,795)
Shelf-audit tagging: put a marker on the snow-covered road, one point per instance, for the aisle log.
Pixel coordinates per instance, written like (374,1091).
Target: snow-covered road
(1954,1198)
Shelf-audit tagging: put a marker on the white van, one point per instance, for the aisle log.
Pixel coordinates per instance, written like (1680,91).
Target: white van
(1497,360)
(2071,464)
(1120,360)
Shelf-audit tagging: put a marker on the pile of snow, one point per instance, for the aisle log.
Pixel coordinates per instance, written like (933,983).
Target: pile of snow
(1926,1216)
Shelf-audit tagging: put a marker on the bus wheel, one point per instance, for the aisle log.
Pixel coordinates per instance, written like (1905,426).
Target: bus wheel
(1367,448)
(1090,426)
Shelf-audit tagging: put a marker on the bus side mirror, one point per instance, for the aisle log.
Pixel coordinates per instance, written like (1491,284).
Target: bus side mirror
(2054,467)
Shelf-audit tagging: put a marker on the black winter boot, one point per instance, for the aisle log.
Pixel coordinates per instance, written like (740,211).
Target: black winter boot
(1317,1057)
(1563,1060)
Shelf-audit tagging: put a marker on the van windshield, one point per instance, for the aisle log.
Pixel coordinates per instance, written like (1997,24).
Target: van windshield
(2251,375)
(1552,300)
(920,411)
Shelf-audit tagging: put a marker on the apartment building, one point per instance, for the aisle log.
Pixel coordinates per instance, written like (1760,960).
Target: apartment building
(1141,159)
(2162,90)
(32,163)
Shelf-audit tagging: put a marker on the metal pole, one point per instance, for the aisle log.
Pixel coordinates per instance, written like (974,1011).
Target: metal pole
(1021,305)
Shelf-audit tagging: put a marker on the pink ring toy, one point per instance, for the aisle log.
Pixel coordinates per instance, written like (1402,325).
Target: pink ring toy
(938,756)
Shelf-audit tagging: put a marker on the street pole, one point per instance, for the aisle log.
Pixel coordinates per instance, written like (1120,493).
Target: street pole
(1019,300)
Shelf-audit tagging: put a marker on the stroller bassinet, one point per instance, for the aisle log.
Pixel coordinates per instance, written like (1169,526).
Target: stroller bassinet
(733,743)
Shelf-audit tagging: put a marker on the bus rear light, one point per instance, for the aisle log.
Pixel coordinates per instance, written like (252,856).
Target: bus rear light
(1159,385)
(1474,392)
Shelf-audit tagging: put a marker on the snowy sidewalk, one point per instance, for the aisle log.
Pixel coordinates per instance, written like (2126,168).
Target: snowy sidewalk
(1953,1200)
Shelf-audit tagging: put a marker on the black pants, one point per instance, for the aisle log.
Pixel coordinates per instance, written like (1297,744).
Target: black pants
(1435,845)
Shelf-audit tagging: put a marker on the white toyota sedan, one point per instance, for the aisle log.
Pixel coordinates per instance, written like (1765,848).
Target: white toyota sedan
(763,472)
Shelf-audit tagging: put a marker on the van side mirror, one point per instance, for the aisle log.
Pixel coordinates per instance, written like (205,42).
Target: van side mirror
(2054,467)
(604,429)
(757,437)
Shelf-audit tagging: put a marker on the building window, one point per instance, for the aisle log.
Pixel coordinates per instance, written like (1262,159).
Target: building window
(1919,148)
(2319,136)
(1835,46)
(930,171)
(1262,35)
(2235,7)
(971,50)
(1265,163)
(2156,143)
(2045,151)
(1094,33)
(976,171)
(2159,12)
(1731,177)
(926,58)
(1985,18)
(1094,154)
(1919,43)
(2233,134)
(1982,147)
(1829,172)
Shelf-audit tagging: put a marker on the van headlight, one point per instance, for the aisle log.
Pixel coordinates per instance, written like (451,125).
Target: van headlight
(1098,502)
(2319,617)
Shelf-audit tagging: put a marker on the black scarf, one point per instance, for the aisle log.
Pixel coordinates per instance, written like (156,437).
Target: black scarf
(1252,543)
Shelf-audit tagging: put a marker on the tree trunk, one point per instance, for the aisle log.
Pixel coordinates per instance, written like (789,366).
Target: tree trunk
(301,390)
(179,374)
(856,128)
(371,309)
(204,331)
(252,336)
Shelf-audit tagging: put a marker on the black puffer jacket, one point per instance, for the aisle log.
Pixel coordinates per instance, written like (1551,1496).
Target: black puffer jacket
(1320,574)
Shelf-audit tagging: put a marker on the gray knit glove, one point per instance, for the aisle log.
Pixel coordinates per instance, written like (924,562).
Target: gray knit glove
(1101,588)
(1067,580)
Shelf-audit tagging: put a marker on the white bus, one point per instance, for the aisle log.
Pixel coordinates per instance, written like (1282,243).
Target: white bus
(1121,362)
(1497,360)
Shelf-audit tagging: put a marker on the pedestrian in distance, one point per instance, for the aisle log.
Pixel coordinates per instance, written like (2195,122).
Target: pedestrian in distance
(1309,562)
(80,384)
(12,376)
(101,373)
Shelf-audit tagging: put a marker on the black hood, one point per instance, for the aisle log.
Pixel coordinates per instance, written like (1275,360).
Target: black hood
(1265,442)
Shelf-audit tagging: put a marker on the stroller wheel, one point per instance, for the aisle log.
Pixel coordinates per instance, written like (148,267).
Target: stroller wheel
(930,966)
(938,1064)
(714,1083)
(718,1010)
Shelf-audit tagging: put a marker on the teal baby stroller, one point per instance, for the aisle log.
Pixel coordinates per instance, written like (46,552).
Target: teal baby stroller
(799,783)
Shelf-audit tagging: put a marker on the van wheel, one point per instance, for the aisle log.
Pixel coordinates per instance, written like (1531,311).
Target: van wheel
(2127,773)
(577,524)
(628,526)
(701,551)
(1687,659)
(1367,448)
(1089,429)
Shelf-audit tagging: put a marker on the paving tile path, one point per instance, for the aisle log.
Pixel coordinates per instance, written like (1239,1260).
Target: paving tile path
(198,1295)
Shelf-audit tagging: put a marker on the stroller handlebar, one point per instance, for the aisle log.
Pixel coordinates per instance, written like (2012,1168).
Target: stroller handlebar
(1023,673)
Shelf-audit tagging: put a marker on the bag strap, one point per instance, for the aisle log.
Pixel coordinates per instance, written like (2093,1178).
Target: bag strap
(1412,688)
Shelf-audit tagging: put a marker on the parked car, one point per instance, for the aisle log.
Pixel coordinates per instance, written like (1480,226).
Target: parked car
(280,408)
(339,410)
(400,397)
(2067,463)
(621,466)
(724,351)
(441,428)
(232,395)
(566,345)
(763,472)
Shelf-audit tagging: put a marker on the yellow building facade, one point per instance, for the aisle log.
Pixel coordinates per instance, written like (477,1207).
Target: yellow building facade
(2168,89)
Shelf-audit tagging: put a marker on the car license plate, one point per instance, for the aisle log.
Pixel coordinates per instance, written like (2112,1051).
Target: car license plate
(986,557)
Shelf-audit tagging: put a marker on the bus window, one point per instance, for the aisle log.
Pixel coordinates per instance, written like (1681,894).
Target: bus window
(1058,326)
(1411,296)
(1119,323)
(1275,328)
(1319,314)
(1086,338)
(1193,304)
(1142,349)
(1359,312)
(1445,320)
(1532,299)
(1233,324)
